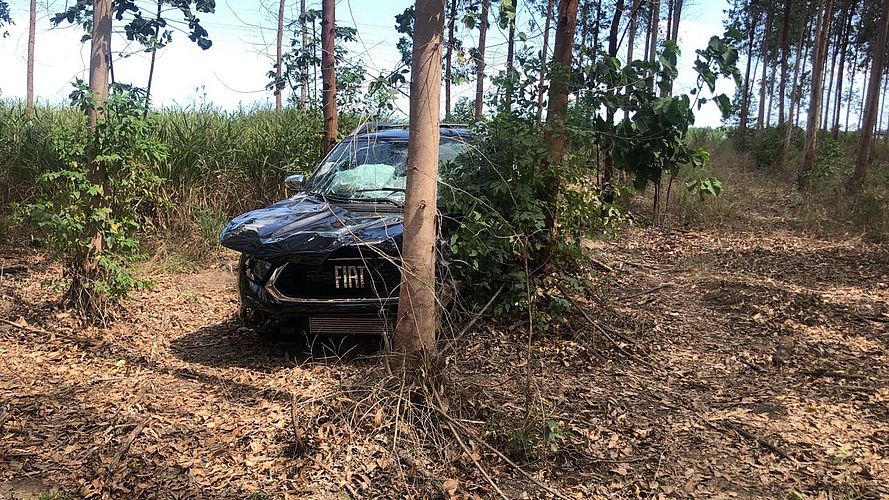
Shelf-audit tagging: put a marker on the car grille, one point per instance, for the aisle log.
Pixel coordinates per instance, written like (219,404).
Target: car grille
(349,326)
(345,275)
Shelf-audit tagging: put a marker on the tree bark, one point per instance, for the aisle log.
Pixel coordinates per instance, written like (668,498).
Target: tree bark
(631,41)
(745,97)
(540,89)
(825,121)
(818,60)
(32,31)
(304,78)
(449,55)
(417,318)
(100,51)
(557,110)
(851,87)
(677,16)
(328,73)
(795,92)
(279,56)
(480,61)
(608,171)
(866,140)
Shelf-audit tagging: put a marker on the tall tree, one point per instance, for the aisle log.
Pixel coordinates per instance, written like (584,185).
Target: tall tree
(328,73)
(866,133)
(785,54)
(763,83)
(449,54)
(154,46)
(100,54)
(847,32)
(32,28)
(631,41)
(653,23)
(677,16)
(543,52)
(752,19)
(818,60)
(608,173)
(557,109)
(795,92)
(480,61)
(279,55)
(417,318)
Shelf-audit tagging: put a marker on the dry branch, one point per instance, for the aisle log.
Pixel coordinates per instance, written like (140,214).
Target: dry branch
(125,446)
(727,424)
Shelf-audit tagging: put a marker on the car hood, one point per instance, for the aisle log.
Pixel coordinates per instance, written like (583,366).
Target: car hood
(304,224)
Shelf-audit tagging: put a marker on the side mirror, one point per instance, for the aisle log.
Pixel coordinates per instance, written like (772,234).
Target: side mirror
(294,183)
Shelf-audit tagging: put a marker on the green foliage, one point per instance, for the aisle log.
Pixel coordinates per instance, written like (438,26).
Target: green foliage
(93,204)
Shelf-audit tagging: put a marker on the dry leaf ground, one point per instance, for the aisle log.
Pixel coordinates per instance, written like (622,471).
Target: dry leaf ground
(758,369)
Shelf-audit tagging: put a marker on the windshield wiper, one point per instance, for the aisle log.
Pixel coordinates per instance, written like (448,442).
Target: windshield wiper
(381,200)
(390,189)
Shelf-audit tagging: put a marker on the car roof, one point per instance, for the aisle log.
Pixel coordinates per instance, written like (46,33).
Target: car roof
(385,131)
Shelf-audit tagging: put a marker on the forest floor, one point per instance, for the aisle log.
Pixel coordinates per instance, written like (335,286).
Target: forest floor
(747,359)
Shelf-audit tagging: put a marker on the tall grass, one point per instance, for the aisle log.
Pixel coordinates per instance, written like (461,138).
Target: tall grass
(219,163)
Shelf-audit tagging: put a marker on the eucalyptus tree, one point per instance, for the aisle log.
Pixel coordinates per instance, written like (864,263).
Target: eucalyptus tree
(866,133)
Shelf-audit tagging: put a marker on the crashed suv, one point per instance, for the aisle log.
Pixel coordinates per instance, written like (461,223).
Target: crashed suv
(327,259)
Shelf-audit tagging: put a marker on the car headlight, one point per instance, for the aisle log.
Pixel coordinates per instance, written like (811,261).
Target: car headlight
(258,270)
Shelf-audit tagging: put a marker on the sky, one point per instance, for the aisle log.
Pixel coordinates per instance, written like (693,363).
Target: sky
(232,73)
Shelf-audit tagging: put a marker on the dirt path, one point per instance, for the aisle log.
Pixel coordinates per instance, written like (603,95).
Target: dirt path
(759,367)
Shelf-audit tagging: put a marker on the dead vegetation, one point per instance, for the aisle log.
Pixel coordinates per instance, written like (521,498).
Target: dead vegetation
(743,360)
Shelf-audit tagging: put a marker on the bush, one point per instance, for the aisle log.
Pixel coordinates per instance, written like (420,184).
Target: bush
(92,205)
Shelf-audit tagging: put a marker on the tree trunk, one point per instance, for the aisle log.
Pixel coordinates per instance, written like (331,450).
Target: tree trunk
(795,94)
(279,83)
(745,97)
(100,49)
(510,55)
(480,62)
(835,131)
(584,23)
(773,53)
(866,139)
(157,34)
(32,31)
(304,78)
(449,54)
(764,48)
(818,60)
(557,110)
(677,16)
(785,53)
(851,87)
(540,89)
(799,106)
(633,28)
(652,28)
(825,121)
(608,172)
(328,73)
(417,318)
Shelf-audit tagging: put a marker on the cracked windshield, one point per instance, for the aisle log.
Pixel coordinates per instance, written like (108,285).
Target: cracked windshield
(371,170)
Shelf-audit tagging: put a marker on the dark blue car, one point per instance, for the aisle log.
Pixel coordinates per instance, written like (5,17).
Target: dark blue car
(327,259)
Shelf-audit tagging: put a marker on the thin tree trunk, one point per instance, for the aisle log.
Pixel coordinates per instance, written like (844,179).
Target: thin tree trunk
(584,23)
(279,56)
(772,57)
(785,53)
(480,61)
(32,31)
(315,58)
(543,72)
(851,87)
(745,97)
(653,27)
(825,121)
(608,173)
(866,140)
(510,55)
(631,42)
(157,34)
(677,17)
(328,73)
(557,110)
(795,94)
(417,318)
(818,60)
(100,48)
(835,132)
(304,78)
(800,96)
(449,54)
(764,48)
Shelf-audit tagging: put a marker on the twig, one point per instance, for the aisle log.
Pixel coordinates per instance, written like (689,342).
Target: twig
(499,454)
(348,487)
(125,446)
(646,292)
(601,330)
(481,312)
(601,265)
(300,445)
(476,462)
(749,435)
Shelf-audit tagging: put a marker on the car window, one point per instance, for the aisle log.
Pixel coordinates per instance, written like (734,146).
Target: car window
(371,169)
